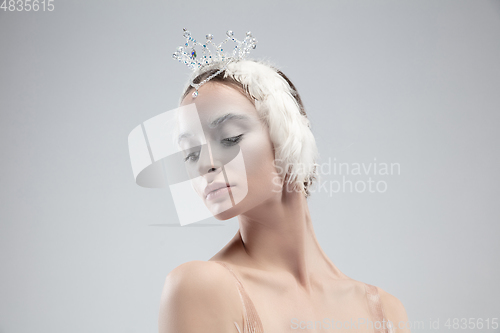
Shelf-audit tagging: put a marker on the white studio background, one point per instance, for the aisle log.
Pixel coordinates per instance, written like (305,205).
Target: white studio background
(413,83)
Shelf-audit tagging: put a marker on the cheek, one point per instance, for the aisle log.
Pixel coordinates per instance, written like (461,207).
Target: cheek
(197,185)
(259,164)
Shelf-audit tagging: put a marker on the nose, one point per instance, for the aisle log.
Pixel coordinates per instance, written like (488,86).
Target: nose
(207,163)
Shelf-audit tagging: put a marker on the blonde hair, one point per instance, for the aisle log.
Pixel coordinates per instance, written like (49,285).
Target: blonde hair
(280,107)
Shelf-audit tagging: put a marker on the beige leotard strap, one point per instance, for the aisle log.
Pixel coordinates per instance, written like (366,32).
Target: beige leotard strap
(251,322)
(377,311)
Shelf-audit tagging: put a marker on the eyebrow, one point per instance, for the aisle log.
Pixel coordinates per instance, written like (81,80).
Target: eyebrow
(217,122)
(229,116)
(183,136)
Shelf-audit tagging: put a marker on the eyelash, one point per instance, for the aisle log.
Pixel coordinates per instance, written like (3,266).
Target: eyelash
(225,142)
(191,155)
(232,140)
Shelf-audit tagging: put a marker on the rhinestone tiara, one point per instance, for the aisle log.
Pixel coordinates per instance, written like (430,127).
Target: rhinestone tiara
(212,53)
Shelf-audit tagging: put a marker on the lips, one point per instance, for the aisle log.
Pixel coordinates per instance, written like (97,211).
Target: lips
(214,187)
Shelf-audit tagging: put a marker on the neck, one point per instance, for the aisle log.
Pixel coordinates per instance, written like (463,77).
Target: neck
(279,235)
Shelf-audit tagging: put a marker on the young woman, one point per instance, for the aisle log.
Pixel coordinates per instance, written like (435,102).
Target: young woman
(273,275)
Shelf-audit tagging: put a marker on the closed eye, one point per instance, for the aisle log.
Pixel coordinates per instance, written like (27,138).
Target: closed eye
(192,157)
(232,140)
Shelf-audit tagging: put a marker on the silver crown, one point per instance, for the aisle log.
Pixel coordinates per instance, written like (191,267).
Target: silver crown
(212,53)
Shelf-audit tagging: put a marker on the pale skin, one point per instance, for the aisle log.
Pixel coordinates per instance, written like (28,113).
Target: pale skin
(275,252)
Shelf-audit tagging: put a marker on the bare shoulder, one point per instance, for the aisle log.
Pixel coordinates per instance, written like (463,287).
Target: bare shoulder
(197,276)
(394,311)
(199,296)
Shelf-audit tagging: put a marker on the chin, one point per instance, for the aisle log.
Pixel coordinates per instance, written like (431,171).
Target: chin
(226,215)
(226,211)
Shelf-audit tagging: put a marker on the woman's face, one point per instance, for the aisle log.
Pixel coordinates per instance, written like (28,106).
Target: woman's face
(234,171)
